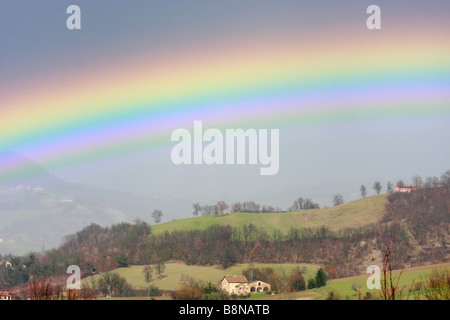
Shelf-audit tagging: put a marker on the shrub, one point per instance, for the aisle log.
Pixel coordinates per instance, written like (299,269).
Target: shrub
(332,295)
(187,292)
(296,282)
(437,285)
(311,283)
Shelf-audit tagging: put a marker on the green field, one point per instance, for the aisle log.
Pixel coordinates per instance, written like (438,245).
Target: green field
(350,215)
(343,286)
(409,277)
(174,270)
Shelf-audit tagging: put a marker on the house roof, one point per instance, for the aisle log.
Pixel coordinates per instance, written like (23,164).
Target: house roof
(256,281)
(236,279)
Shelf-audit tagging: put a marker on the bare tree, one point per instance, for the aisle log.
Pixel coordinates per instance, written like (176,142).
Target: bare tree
(429,181)
(338,199)
(309,204)
(303,204)
(148,274)
(265,208)
(44,289)
(160,267)
(390,187)
(197,209)
(207,210)
(223,206)
(377,187)
(445,179)
(389,285)
(236,207)
(417,180)
(156,215)
(363,190)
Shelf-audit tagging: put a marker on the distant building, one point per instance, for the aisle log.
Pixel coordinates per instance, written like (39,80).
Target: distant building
(235,285)
(239,285)
(437,185)
(259,286)
(6,263)
(406,188)
(4,295)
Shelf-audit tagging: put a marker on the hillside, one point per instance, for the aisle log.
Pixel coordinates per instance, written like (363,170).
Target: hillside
(174,271)
(37,217)
(38,209)
(343,286)
(416,223)
(354,214)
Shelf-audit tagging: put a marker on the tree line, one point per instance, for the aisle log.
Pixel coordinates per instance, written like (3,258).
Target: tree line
(222,207)
(428,182)
(96,249)
(251,207)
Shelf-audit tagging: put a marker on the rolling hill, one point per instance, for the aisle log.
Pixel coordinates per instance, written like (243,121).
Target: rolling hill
(349,215)
(343,286)
(38,209)
(416,223)
(213,274)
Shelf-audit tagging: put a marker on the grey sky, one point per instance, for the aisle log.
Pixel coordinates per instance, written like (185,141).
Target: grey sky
(315,162)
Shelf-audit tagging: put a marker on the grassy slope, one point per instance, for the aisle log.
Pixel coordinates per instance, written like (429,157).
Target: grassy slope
(344,285)
(408,277)
(353,214)
(173,273)
(174,270)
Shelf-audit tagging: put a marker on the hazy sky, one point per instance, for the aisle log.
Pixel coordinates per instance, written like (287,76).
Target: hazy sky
(366,105)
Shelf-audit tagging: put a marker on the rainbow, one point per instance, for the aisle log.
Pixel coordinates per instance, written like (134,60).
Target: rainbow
(131,103)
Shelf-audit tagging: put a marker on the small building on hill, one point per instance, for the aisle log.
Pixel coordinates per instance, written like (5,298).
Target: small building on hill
(406,188)
(258,286)
(239,285)
(4,295)
(235,285)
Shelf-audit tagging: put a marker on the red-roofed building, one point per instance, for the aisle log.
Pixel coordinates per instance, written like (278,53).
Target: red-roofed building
(235,284)
(406,188)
